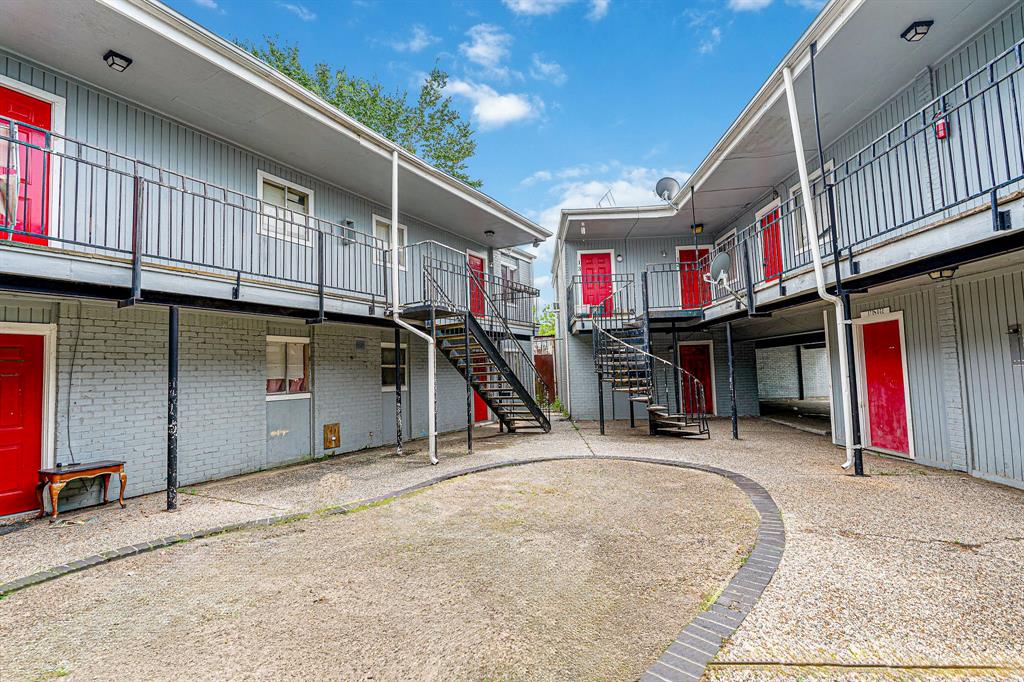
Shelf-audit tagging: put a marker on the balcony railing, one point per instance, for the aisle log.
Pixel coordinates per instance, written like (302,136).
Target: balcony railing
(435,274)
(963,149)
(58,193)
(610,298)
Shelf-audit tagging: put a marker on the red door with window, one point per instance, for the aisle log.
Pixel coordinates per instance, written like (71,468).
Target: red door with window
(24,167)
(596,269)
(695,358)
(694,292)
(886,391)
(21,420)
(771,245)
(477,304)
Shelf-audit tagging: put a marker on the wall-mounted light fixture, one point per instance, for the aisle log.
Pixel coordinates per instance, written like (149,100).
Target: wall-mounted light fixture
(618,258)
(488,233)
(917,31)
(698,228)
(944,273)
(583,228)
(664,253)
(536,243)
(117,61)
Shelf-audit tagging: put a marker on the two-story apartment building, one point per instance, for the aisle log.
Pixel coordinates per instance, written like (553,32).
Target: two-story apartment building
(914,111)
(149,167)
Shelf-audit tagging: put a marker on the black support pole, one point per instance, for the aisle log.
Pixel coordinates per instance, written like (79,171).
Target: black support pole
(398,389)
(675,373)
(469,385)
(172,408)
(732,383)
(858,451)
(799,373)
(600,400)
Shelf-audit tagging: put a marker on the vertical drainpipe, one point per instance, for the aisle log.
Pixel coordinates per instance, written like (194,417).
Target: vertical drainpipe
(811,227)
(431,348)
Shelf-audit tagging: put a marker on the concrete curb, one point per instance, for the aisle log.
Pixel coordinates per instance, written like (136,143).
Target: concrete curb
(684,660)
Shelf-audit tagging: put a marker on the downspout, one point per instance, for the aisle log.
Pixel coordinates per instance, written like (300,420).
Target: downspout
(431,347)
(811,227)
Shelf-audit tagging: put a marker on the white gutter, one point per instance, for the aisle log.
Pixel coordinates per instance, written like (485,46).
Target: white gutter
(811,227)
(431,345)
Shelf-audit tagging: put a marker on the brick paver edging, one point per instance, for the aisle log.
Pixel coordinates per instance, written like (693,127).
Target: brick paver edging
(685,659)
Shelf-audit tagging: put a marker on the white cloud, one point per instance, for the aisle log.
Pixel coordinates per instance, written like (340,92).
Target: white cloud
(209,4)
(493,109)
(547,71)
(420,40)
(539,176)
(598,9)
(814,5)
(536,7)
(748,5)
(301,11)
(488,47)
(710,40)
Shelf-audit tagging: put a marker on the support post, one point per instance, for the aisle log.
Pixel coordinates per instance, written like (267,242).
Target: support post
(858,450)
(469,383)
(137,227)
(600,399)
(398,389)
(321,267)
(799,373)
(732,383)
(675,373)
(632,416)
(172,408)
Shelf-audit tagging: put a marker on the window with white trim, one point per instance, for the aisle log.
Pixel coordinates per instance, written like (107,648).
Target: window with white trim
(382,231)
(286,209)
(287,366)
(389,364)
(800,244)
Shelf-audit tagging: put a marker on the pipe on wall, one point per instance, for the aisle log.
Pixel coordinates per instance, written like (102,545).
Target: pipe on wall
(811,227)
(431,346)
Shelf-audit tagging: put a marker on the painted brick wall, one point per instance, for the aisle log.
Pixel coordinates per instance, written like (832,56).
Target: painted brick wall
(777,375)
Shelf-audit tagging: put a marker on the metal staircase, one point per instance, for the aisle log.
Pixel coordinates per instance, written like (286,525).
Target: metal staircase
(673,398)
(469,315)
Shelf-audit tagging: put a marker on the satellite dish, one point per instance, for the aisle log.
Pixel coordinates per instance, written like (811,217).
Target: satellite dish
(718,271)
(667,188)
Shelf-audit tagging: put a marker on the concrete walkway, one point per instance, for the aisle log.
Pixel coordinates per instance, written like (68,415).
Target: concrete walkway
(910,573)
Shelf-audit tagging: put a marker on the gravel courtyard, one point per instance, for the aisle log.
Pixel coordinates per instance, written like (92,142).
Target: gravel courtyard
(908,574)
(569,569)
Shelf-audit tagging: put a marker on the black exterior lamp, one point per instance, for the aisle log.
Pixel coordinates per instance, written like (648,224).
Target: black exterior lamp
(117,61)
(917,31)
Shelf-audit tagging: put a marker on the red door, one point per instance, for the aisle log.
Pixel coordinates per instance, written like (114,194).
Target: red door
(695,358)
(24,209)
(477,304)
(479,408)
(21,420)
(886,391)
(771,245)
(596,269)
(694,292)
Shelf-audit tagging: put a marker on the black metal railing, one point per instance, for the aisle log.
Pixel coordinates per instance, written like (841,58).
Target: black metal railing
(64,194)
(436,274)
(606,297)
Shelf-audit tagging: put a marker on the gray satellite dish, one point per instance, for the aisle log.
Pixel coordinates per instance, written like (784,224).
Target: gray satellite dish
(718,271)
(667,188)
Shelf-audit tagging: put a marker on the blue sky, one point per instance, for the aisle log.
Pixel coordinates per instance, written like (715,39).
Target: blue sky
(576,101)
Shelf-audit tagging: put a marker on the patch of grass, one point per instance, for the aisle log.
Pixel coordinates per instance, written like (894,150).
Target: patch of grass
(297,517)
(710,598)
(53,673)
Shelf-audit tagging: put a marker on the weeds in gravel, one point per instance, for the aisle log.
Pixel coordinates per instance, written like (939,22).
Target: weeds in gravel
(61,671)
(710,598)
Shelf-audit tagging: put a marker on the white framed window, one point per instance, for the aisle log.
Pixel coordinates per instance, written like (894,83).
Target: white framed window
(800,244)
(286,208)
(382,231)
(287,367)
(389,366)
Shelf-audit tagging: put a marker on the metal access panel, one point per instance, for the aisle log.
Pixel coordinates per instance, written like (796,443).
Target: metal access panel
(1016,345)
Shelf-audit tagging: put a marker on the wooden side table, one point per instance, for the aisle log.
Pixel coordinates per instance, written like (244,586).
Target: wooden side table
(58,477)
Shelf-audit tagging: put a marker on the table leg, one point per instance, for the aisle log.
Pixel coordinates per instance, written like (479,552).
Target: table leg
(55,489)
(106,486)
(39,498)
(124,483)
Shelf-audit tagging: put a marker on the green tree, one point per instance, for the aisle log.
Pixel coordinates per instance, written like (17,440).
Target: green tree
(546,321)
(430,126)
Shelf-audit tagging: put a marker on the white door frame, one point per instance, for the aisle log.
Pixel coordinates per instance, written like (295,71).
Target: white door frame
(711,362)
(696,249)
(48,443)
(579,271)
(858,346)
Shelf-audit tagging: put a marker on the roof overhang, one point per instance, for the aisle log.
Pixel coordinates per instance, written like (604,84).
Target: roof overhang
(184,71)
(862,63)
